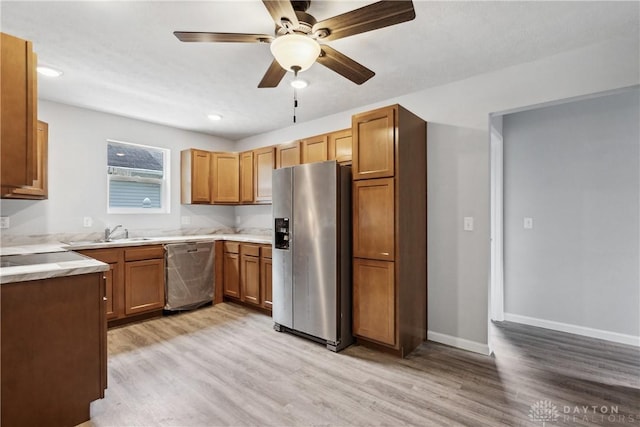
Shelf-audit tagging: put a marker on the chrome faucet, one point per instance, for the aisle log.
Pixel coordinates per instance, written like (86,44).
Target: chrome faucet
(108,233)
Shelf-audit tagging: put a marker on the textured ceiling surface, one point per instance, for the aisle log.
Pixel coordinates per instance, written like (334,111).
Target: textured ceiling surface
(122,57)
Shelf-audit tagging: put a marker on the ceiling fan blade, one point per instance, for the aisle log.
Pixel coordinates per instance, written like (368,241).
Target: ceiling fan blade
(192,36)
(367,18)
(344,65)
(273,76)
(281,9)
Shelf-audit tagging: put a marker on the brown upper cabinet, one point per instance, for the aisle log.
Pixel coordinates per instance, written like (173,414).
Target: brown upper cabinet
(194,183)
(20,165)
(314,149)
(246,177)
(374,143)
(340,146)
(225,184)
(264,162)
(38,190)
(288,155)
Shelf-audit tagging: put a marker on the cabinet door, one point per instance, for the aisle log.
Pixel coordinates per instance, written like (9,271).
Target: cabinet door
(226,178)
(111,277)
(266,283)
(114,279)
(264,164)
(288,155)
(246,177)
(38,190)
(374,143)
(19,106)
(373,219)
(340,146)
(200,168)
(250,279)
(314,149)
(374,300)
(144,286)
(231,274)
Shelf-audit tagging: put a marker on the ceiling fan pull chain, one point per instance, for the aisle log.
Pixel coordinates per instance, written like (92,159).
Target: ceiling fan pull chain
(295,91)
(295,103)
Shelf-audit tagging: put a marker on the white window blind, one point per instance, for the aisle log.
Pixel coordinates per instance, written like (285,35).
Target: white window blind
(137,178)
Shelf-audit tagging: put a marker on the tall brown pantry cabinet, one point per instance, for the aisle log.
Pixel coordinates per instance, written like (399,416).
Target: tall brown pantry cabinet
(389,229)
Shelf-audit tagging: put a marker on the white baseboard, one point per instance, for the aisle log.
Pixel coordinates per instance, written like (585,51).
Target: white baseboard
(574,329)
(457,342)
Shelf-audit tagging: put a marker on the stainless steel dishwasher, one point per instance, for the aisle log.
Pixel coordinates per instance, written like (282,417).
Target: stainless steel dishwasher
(190,279)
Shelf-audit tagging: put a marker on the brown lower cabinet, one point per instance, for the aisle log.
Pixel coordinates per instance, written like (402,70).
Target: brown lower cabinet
(231,270)
(250,274)
(54,350)
(247,273)
(265,277)
(134,282)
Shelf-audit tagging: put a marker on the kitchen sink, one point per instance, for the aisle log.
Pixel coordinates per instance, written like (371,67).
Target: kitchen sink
(102,241)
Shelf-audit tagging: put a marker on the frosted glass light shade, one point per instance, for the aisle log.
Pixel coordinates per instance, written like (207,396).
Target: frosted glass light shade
(291,50)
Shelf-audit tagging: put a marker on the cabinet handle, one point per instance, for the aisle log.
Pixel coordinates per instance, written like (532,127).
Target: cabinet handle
(104,298)
(384,253)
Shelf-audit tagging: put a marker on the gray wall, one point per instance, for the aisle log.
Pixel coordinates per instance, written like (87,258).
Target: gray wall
(458,260)
(575,169)
(78,180)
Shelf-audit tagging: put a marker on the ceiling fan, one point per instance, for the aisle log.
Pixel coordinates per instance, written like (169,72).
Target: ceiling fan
(295,44)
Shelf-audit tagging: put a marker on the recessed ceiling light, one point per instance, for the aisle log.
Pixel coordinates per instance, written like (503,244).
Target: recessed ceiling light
(299,83)
(214,117)
(120,154)
(48,71)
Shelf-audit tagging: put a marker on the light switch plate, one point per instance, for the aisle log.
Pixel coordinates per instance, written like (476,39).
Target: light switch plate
(185,220)
(468,223)
(527,223)
(87,221)
(4,222)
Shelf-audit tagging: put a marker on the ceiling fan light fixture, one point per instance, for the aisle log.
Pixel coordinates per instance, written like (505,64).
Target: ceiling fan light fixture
(295,50)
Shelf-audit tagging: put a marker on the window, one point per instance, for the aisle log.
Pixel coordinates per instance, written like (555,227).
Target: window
(137,178)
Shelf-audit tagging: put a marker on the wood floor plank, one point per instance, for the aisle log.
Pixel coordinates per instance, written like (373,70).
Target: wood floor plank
(226,366)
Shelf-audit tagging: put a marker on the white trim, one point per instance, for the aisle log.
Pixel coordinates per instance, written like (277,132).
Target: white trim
(565,100)
(457,342)
(574,329)
(496,286)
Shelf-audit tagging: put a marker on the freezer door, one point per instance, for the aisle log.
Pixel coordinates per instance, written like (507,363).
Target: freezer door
(314,242)
(282,281)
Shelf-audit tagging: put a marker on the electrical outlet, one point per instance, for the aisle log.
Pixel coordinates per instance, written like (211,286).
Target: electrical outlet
(527,223)
(87,221)
(468,223)
(185,220)
(4,222)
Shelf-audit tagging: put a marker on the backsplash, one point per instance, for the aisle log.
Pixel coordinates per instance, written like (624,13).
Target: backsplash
(35,239)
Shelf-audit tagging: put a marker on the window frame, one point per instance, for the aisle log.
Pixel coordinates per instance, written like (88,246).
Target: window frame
(165,181)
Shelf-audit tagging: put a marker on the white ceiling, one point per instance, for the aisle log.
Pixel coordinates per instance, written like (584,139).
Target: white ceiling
(122,57)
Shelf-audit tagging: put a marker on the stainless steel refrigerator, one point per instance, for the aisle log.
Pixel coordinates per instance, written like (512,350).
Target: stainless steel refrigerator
(312,252)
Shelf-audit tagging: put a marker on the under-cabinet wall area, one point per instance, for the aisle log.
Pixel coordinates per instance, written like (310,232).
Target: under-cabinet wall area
(78,154)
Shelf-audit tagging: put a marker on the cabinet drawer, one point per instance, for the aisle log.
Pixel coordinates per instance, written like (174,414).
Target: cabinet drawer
(232,247)
(250,250)
(145,252)
(266,251)
(108,256)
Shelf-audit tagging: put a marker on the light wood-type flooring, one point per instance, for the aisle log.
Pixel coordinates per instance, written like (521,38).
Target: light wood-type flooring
(226,366)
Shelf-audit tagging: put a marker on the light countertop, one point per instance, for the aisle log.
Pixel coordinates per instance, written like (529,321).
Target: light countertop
(85,265)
